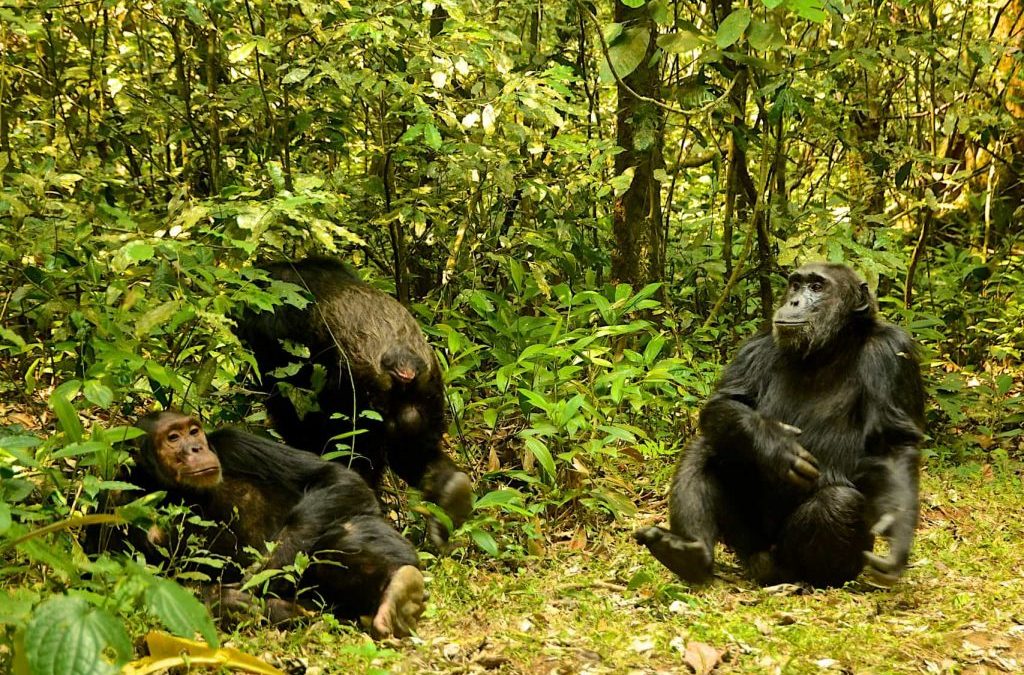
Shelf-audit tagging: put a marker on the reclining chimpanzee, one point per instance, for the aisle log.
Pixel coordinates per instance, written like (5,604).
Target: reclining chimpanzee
(373,355)
(808,446)
(260,491)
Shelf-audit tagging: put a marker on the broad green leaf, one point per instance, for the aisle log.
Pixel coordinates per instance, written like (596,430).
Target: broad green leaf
(157,316)
(660,12)
(296,75)
(485,541)
(763,35)
(68,636)
(432,136)
(732,27)
(612,32)
(138,251)
(241,52)
(633,3)
(498,498)
(812,10)
(179,610)
(626,54)
(5,517)
(772,4)
(679,42)
(98,393)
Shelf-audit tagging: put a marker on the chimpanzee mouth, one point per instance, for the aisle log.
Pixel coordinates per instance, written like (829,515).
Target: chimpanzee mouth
(208,471)
(790,324)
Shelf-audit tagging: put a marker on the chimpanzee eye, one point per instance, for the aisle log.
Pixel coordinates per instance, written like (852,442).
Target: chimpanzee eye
(194,431)
(817,286)
(794,285)
(173,437)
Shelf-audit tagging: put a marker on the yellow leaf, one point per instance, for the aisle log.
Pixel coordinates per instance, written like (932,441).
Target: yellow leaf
(167,651)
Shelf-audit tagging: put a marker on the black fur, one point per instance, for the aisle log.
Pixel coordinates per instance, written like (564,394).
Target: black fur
(357,335)
(853,399)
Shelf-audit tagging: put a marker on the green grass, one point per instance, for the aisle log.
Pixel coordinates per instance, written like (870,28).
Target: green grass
(609,608)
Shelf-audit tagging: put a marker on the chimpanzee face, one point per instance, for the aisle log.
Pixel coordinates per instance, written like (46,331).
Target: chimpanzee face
(820,300)
(181,453)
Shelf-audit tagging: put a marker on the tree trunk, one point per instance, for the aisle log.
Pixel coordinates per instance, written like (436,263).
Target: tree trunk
(639,256)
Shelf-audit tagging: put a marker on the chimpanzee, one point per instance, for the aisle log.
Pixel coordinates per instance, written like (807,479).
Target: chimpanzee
(808,446)
(373,356)
(263,491)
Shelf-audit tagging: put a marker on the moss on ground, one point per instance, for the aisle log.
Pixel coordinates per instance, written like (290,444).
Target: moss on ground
(605,606)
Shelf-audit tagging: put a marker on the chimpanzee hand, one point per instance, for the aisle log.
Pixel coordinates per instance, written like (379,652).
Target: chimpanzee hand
(797,466)
(886,571)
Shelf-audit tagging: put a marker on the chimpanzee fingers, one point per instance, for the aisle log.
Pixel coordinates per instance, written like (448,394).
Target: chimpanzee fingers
(806,456)
(796,431)
(881,528)
(882,571)
(798,480)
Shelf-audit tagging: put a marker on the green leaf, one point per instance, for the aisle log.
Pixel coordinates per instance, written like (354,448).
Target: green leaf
(68,636)
(179,610)
(612,32)
(432,136)
(732,27)
(138,251)
(680,41)
(626,54)
(485,541)
(98,393)
(762,35)
(634,3)
(296,75)
(772,4)
(903,173)
(659,12)
(812,10)
(498,498)
(67,416)
(157,316)
(241,52)
(541,453)
(5,517)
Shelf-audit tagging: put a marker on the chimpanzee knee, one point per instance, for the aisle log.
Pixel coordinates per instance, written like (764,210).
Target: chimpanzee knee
(824,540)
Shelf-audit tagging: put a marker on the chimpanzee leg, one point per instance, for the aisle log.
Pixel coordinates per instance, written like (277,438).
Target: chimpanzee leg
(823,541)
(363,566)
(694,507)
(429,468)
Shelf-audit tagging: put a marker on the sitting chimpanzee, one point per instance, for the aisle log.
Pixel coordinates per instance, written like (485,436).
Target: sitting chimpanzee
(373,356)
(261,491)
(808,446)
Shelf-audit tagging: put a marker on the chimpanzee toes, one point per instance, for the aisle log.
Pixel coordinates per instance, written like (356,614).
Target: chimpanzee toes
(401,605)
(456,499)
(689,560)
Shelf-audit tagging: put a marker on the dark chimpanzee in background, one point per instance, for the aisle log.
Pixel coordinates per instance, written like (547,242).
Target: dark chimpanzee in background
(262,491)
(808,446)
(375,356)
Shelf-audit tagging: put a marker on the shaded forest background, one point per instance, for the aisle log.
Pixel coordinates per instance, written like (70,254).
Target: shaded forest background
(586,204)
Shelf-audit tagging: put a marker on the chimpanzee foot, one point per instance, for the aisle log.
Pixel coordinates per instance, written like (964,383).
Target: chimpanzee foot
(456,498)
(401,605)
(690,560)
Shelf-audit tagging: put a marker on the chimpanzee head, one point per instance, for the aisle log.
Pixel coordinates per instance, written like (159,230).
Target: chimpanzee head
(176,452)
(823,300)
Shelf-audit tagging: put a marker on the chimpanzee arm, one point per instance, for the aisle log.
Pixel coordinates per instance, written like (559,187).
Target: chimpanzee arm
(893,430)
(733,426)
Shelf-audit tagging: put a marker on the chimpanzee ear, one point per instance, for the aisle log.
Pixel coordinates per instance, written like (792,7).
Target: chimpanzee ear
(866,302)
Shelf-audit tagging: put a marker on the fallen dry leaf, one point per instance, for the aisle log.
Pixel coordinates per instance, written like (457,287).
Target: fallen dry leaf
(701,657)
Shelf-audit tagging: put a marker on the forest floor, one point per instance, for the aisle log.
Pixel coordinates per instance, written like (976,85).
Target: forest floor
(607,607)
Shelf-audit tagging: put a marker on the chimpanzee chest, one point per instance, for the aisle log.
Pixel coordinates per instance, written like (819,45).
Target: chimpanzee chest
(254,513)
(827,406)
